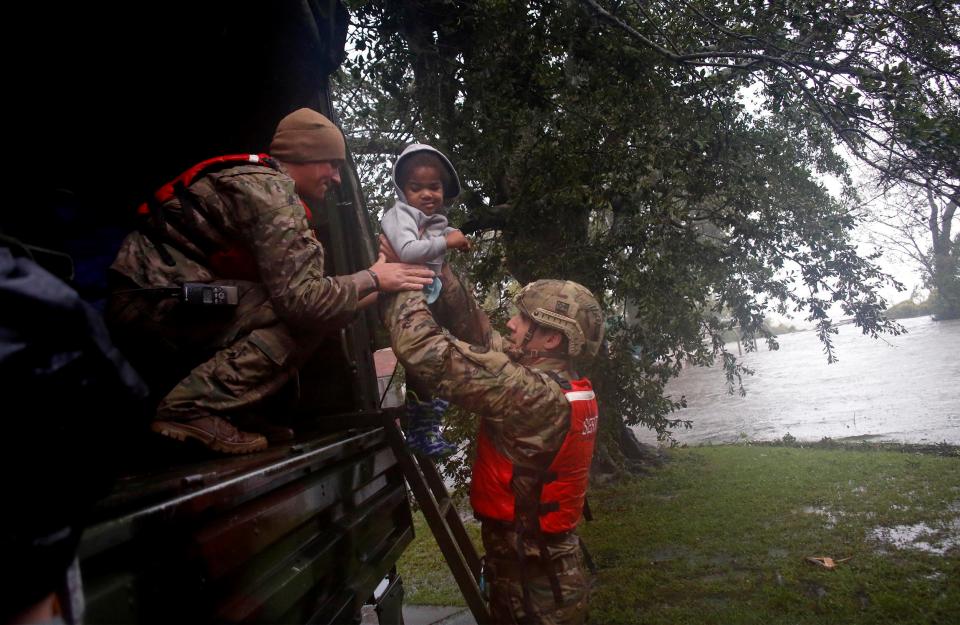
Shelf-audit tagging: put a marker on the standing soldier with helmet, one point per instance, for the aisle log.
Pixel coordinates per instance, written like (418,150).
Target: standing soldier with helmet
(537,433)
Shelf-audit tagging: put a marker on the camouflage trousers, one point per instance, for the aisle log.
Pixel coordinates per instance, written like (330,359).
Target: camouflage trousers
(507,579)
(208,361)
(457,311)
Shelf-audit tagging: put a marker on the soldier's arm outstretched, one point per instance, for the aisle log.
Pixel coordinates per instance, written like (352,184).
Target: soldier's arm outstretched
(290,260)
(524,410)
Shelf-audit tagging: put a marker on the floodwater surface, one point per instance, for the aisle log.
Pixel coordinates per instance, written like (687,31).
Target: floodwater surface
(898,388)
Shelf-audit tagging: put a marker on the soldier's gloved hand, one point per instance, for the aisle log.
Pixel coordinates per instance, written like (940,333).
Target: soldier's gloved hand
(395,277)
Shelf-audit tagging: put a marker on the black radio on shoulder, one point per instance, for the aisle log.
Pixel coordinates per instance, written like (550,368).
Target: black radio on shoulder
(197,293)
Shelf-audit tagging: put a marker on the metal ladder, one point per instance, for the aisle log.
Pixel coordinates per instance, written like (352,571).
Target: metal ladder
(431,493)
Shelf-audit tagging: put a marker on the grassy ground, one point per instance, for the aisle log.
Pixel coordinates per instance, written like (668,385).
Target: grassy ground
(721,535)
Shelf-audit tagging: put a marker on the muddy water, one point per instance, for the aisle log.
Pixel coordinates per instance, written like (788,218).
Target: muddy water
(904,388)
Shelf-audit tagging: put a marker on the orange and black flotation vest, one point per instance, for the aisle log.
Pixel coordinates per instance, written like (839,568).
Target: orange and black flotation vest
(564,483)
(172,189)
(234,261)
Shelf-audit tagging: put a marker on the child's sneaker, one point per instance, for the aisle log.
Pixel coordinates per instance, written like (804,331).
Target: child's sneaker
(439,407)
(430,443)
(423,432)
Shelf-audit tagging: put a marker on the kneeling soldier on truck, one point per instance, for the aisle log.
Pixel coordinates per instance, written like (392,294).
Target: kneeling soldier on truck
(231,236)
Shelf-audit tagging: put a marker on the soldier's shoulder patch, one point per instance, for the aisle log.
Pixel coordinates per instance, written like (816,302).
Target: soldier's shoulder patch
(479,349)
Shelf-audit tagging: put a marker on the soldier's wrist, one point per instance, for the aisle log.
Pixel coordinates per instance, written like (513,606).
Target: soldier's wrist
(364,283)
(375,278)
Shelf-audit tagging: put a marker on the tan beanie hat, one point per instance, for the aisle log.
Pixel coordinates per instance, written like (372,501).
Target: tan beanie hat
(306,135)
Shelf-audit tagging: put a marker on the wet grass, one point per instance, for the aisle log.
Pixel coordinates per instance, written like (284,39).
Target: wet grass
(721,535)
(426,578)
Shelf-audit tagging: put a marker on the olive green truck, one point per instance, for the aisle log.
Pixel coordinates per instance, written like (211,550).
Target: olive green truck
(129,95)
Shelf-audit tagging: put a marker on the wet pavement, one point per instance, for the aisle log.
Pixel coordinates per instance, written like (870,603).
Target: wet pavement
(425,615)
(437,615)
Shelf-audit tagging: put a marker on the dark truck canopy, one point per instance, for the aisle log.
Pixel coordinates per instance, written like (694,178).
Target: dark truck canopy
(113,99)
(109,101)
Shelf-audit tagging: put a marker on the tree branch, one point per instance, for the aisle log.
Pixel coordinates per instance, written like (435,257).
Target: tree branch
(376,146)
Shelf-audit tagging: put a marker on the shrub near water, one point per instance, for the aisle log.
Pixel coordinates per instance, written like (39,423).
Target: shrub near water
(909,308)
(721,535)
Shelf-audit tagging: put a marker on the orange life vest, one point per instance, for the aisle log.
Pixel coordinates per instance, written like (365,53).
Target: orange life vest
(564,482)
(169,190)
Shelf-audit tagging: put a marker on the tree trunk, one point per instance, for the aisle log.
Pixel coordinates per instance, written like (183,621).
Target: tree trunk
(619,454)
(945,278)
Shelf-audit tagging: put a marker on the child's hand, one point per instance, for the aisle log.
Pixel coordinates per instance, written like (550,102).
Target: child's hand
(456,240)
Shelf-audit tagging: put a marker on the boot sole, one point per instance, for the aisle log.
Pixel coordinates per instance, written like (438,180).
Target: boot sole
(183,431)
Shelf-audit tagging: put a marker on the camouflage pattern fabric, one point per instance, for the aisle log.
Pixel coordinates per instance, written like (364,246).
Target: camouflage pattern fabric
(507,580)
(457,312)
(524,409)
(219,361)
(527,417)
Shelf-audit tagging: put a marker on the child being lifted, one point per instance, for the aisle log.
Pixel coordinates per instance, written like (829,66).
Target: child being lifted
(418,231)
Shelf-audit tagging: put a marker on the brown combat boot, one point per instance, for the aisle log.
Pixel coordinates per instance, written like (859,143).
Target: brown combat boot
(214,432)
(274,432)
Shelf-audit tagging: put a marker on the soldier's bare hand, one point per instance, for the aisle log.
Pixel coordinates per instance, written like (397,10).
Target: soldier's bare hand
(386,250)
(395,277)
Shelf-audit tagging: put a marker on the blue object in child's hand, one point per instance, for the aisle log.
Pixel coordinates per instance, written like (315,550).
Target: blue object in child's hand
(432,290)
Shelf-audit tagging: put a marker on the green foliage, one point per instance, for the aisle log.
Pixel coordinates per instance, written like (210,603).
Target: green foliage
(459,425)
(882,75)
(426,577)
(586,155)
(775,330)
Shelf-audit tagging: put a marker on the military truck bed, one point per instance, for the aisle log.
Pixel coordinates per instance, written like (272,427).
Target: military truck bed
(301,532)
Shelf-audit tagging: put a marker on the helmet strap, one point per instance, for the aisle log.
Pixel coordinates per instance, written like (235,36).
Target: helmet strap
(538,353)
(529,335)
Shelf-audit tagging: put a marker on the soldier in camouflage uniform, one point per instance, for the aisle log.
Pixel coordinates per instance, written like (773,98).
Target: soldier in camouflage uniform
(524,390)
(243,225)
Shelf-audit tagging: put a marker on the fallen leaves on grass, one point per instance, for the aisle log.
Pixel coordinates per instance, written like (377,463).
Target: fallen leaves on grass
(826,562)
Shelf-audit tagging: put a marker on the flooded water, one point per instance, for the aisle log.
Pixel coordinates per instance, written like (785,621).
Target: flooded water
(904,388)
(920,536)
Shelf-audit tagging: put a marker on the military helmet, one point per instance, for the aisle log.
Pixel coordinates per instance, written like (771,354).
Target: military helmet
(568,307)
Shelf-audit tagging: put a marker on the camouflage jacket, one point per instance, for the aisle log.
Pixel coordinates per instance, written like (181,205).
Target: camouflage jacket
(523,408)
(250,209)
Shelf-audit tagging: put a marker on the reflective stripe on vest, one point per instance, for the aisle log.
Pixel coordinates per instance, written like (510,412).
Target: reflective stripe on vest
(490,492)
